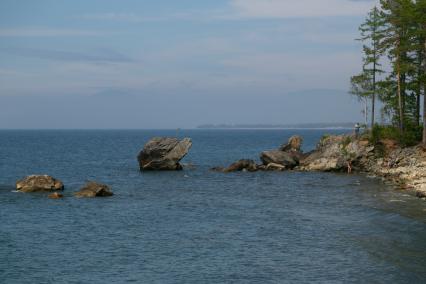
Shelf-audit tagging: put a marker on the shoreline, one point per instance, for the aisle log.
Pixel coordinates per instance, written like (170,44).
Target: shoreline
(404,167)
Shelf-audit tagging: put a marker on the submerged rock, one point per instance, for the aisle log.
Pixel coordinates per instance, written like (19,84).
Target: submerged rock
(94,189)
(163,153)
(55,195)
(421,194)
(35,183)
(241,165)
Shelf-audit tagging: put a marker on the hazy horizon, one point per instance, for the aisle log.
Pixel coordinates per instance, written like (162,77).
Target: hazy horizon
(166,65)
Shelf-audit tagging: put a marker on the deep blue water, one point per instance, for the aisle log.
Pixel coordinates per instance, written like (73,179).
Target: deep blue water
(198,226)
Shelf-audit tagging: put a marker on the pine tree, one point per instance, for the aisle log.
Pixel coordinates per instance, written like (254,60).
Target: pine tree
(420,33)
(361,86)
(395,40)
(371,36)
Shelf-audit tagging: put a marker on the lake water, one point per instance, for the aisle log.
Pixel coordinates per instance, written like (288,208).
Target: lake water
(199,226)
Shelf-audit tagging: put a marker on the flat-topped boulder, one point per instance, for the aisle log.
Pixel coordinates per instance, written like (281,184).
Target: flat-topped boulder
(37,183)
(94,189)
(163,154)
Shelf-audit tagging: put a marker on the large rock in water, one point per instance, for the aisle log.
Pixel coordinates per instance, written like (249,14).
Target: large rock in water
(35,183)
(163,153)
(94,189)
(279,157)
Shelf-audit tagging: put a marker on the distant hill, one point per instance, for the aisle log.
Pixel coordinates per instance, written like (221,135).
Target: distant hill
(278,126)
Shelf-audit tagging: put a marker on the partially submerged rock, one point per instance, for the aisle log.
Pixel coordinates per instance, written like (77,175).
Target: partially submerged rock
(279,157)
(238,166)
(286,157)
(55,195)
(94,189)
(36,183)
(275,167)
(421,194)
(163,153)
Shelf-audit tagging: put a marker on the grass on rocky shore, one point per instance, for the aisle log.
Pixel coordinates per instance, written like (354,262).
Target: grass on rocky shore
(411,136)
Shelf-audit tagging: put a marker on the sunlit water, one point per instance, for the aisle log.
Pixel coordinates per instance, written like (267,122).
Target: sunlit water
(198,226)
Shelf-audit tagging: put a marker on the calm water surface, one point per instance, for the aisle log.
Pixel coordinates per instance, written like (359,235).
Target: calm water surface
(198,226)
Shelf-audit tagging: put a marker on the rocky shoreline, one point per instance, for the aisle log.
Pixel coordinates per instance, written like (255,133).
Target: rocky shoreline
(404,167)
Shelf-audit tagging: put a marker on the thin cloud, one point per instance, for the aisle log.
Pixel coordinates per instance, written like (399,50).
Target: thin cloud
(137,18)
(299,8)
(102,56)
(47,32)
(119,17)
(248,9)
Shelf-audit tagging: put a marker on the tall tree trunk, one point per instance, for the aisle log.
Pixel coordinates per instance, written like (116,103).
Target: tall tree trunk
(400,100)
(419,85)
(418,96)
(424,112)
(424,93)
(373,97)
(365,112)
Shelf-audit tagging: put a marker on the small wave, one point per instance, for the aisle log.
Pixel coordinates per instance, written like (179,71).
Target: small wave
(397,200)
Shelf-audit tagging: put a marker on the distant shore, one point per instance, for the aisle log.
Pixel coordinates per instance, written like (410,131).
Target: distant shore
(345,125)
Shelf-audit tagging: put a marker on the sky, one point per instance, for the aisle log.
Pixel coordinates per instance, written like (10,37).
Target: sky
(177,64)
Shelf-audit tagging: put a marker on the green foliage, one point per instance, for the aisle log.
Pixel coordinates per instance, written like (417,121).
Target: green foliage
(324,137)
(396,31)
(410,137)
(344,144)
(346,141)
(361,85)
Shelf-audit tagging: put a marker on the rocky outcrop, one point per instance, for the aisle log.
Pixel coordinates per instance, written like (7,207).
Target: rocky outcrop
(405,167)
(36,183)
(287,156)
(94,189)
(284,158)
(337,153)
(163,153)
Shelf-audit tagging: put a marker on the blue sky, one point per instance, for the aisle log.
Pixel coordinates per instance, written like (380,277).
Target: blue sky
(168,64)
